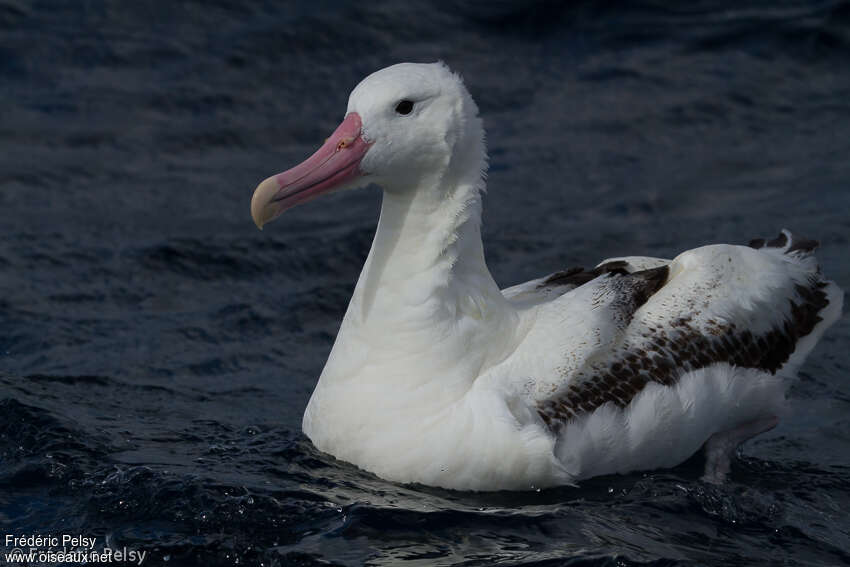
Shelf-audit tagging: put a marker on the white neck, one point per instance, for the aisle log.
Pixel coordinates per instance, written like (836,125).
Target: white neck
(426,310)
(427,246)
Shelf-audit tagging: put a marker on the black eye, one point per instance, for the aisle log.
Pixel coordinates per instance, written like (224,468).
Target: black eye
(405,107)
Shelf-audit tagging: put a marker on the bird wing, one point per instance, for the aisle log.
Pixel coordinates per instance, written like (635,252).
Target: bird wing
(646,320)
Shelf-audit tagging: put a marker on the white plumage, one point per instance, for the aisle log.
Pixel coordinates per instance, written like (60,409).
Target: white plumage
(439,377)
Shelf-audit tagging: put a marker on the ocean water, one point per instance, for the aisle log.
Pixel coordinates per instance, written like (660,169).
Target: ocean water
(157,351)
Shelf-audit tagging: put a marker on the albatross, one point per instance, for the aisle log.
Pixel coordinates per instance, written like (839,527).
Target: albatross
(439,377)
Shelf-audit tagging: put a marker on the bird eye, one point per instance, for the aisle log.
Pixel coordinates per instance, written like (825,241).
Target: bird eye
(405,107)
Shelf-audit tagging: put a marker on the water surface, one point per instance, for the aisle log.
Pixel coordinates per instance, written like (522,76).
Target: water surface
(158,351)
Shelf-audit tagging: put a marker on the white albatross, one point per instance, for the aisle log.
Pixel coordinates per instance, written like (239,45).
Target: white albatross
(440,378)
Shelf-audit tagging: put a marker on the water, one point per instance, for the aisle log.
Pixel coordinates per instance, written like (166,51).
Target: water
(158,351)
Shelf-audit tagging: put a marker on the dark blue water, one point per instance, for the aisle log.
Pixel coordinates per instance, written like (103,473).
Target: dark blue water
(157,351)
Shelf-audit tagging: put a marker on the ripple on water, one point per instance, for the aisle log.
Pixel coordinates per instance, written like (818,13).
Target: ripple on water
(157,352)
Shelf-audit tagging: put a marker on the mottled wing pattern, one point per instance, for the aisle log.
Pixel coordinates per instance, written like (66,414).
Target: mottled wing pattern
(720,304)
(559,283)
